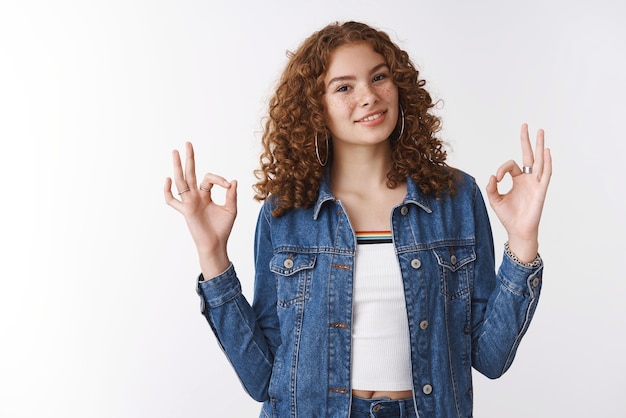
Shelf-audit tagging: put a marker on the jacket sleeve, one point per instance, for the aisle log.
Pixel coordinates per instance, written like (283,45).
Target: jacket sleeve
(248,335)
(503,304)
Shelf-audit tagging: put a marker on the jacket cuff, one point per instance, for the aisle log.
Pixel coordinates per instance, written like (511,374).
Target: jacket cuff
(521,278)
(218,290)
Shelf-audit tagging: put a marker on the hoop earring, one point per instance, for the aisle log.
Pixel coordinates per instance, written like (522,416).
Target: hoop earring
(317,152)
(401,126)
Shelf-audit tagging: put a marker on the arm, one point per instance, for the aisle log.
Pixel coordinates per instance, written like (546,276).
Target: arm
(240,335)
(504,309)
(503,304)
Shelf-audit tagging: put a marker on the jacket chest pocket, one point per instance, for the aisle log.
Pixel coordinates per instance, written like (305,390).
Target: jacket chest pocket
(456,267)
(293,273)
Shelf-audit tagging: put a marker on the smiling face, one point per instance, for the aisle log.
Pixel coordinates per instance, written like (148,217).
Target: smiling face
(360,99)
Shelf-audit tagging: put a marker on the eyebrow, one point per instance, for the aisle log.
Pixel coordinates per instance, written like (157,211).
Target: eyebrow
(351,77)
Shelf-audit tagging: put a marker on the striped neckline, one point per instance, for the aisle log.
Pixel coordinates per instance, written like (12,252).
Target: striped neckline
(373,237)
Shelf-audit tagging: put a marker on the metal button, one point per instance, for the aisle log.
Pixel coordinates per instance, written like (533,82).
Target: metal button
(536,281)
(416,263)
(427,389)
(453,259)
(288,263)
(424,324)
(404,210)
(376,408)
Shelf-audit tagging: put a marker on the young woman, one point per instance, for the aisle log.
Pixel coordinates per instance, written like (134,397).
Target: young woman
(375,291)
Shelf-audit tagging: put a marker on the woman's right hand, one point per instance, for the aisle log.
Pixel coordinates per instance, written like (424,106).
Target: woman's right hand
(210,224)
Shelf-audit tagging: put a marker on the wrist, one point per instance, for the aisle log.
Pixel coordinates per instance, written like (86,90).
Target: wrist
(213,264)
(533,261)
(524,248)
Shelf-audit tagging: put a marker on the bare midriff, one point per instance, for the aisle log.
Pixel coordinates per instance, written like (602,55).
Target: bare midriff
(393,394)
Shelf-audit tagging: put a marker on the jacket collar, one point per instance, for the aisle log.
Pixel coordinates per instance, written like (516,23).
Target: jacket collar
(413,195)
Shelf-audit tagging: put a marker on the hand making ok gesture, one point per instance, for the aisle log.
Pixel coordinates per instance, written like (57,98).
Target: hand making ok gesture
(210,224)
(520,208)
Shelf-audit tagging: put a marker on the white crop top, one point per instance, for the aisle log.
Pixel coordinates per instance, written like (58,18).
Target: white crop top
(381,352)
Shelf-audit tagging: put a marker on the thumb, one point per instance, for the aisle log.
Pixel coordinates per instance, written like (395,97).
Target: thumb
(492,190)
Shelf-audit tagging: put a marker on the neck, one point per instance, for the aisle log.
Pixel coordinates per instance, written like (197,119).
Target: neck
(357,169)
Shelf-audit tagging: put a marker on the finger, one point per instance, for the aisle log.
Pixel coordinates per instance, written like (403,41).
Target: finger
(190,166)
(210,179)
(539,151)
(527,150)
(547,167)
(169,197)
(179,178)
(510,167)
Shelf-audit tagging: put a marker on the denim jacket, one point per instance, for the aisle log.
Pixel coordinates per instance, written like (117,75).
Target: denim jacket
(292,347)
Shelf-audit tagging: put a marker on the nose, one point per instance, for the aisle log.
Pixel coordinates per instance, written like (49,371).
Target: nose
(369,96)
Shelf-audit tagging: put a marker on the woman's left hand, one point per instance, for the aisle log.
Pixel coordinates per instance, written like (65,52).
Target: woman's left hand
(520,208)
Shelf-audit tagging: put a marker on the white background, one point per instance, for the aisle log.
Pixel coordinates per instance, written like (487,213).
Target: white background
(98,313)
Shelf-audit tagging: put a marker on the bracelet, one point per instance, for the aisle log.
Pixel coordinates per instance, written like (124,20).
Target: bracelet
(535,263)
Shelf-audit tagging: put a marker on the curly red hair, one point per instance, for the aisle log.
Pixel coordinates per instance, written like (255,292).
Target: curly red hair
(289,168)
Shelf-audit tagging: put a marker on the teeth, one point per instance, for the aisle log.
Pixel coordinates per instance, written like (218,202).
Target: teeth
(373,117)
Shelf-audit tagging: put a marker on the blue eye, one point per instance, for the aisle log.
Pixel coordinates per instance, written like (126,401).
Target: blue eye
(342,89)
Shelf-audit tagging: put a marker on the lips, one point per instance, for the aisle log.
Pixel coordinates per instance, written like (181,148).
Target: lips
(373,118)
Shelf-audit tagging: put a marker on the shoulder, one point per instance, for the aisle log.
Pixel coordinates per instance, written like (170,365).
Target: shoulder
(462,183)
(463,180)
(295,214)
(466,189)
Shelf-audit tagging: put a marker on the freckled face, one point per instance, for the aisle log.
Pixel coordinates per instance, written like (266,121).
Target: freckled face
(361,99)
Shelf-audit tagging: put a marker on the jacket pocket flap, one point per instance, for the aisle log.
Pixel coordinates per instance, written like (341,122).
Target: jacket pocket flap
(289,263)
(454,257)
